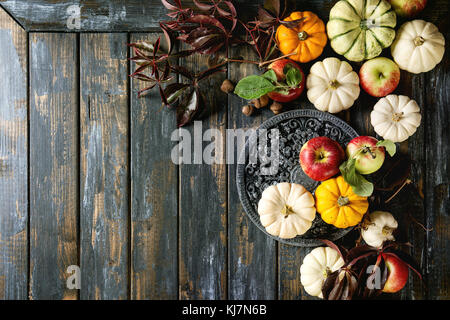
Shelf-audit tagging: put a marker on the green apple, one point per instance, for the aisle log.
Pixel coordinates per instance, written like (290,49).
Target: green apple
(369,157)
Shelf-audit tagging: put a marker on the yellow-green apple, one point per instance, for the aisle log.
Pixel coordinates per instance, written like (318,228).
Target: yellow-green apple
(320,158)
(408,8)
(369,157)
(398,272)
(379,76)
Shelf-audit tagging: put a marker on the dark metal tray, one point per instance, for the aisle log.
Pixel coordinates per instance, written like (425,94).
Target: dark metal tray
(295,128)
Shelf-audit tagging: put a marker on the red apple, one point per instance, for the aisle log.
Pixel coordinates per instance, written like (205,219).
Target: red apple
(408,8)
(279,68)
(369,157)
(379,76)
(320,158)
(398,272)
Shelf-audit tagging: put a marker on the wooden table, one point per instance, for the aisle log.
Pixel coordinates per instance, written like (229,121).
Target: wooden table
(86,177)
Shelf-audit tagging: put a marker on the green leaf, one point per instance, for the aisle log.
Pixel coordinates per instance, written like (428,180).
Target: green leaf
(359,184)
(390,146)
(270,75)
(293,77)
(253,87)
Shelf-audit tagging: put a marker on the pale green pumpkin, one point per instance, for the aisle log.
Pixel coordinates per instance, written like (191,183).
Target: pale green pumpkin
(361,29)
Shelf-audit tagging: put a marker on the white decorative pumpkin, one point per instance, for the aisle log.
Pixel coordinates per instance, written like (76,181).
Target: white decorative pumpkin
(395,118)
(378,227)
(332,85)
(418,47)
(316,267)
(286,210)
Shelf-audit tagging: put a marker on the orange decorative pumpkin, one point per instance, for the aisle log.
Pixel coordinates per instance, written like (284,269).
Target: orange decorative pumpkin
(307,40)
(338,204)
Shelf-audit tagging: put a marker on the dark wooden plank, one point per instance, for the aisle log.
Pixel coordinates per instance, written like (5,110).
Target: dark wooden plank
(203,201)
(53,164)
(412,86)
(13,160)
(154,194)
(437,182)
(95,15)
(104,166)
(252,255)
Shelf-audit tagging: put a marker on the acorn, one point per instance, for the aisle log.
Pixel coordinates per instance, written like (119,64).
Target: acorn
(227,86)
(256,103)
(248,110)
(276,107)
(264,101)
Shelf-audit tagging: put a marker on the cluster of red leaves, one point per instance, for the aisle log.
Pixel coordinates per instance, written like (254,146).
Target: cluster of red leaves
(212,26)
(351,280)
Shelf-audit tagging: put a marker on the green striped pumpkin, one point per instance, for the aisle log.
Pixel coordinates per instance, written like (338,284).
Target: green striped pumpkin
(361,29)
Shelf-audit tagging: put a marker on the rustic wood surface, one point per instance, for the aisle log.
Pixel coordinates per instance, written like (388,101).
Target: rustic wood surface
(86,176)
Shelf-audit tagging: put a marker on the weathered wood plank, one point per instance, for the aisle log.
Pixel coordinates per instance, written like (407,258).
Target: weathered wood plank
(412,86)
(154,194)
(13,160)
(437,182)
(104,166)
(252,255)
(53,164)
(203,200)
(94,15)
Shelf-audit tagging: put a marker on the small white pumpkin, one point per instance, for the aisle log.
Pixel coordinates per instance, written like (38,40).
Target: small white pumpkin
(378,227)
(316,267)
(286,210)
(395,118)
(418,47)
(332,85)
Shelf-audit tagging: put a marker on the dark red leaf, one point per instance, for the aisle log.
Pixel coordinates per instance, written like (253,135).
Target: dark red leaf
(203,6)
(204,19)
(183,71)
(273,5)
(170,6)
(204,74)
(187,110)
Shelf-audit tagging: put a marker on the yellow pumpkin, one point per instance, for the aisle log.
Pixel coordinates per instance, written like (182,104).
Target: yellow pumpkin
(338,204)
(307,40)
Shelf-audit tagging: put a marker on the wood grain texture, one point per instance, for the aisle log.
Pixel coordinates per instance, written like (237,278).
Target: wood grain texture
(95,15)
(437,183)
(154,195)
(13,160)
(104,166)
(203,199)
(53,164)
(252,255)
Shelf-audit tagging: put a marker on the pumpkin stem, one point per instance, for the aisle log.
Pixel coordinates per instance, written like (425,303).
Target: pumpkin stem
(287,210)
(343,201)
(386,230)
(333,84)
(302,35)
(418,41)
(397,116)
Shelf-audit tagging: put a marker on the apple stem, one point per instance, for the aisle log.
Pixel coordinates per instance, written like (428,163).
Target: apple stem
(369,151)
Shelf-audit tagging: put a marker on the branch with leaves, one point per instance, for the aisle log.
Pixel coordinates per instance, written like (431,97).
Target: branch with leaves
(211,28)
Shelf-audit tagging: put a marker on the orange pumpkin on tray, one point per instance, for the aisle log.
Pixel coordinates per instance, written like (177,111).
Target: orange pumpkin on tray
(306,40)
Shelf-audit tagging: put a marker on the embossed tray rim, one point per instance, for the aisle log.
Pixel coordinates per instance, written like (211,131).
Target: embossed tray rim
(240,172)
